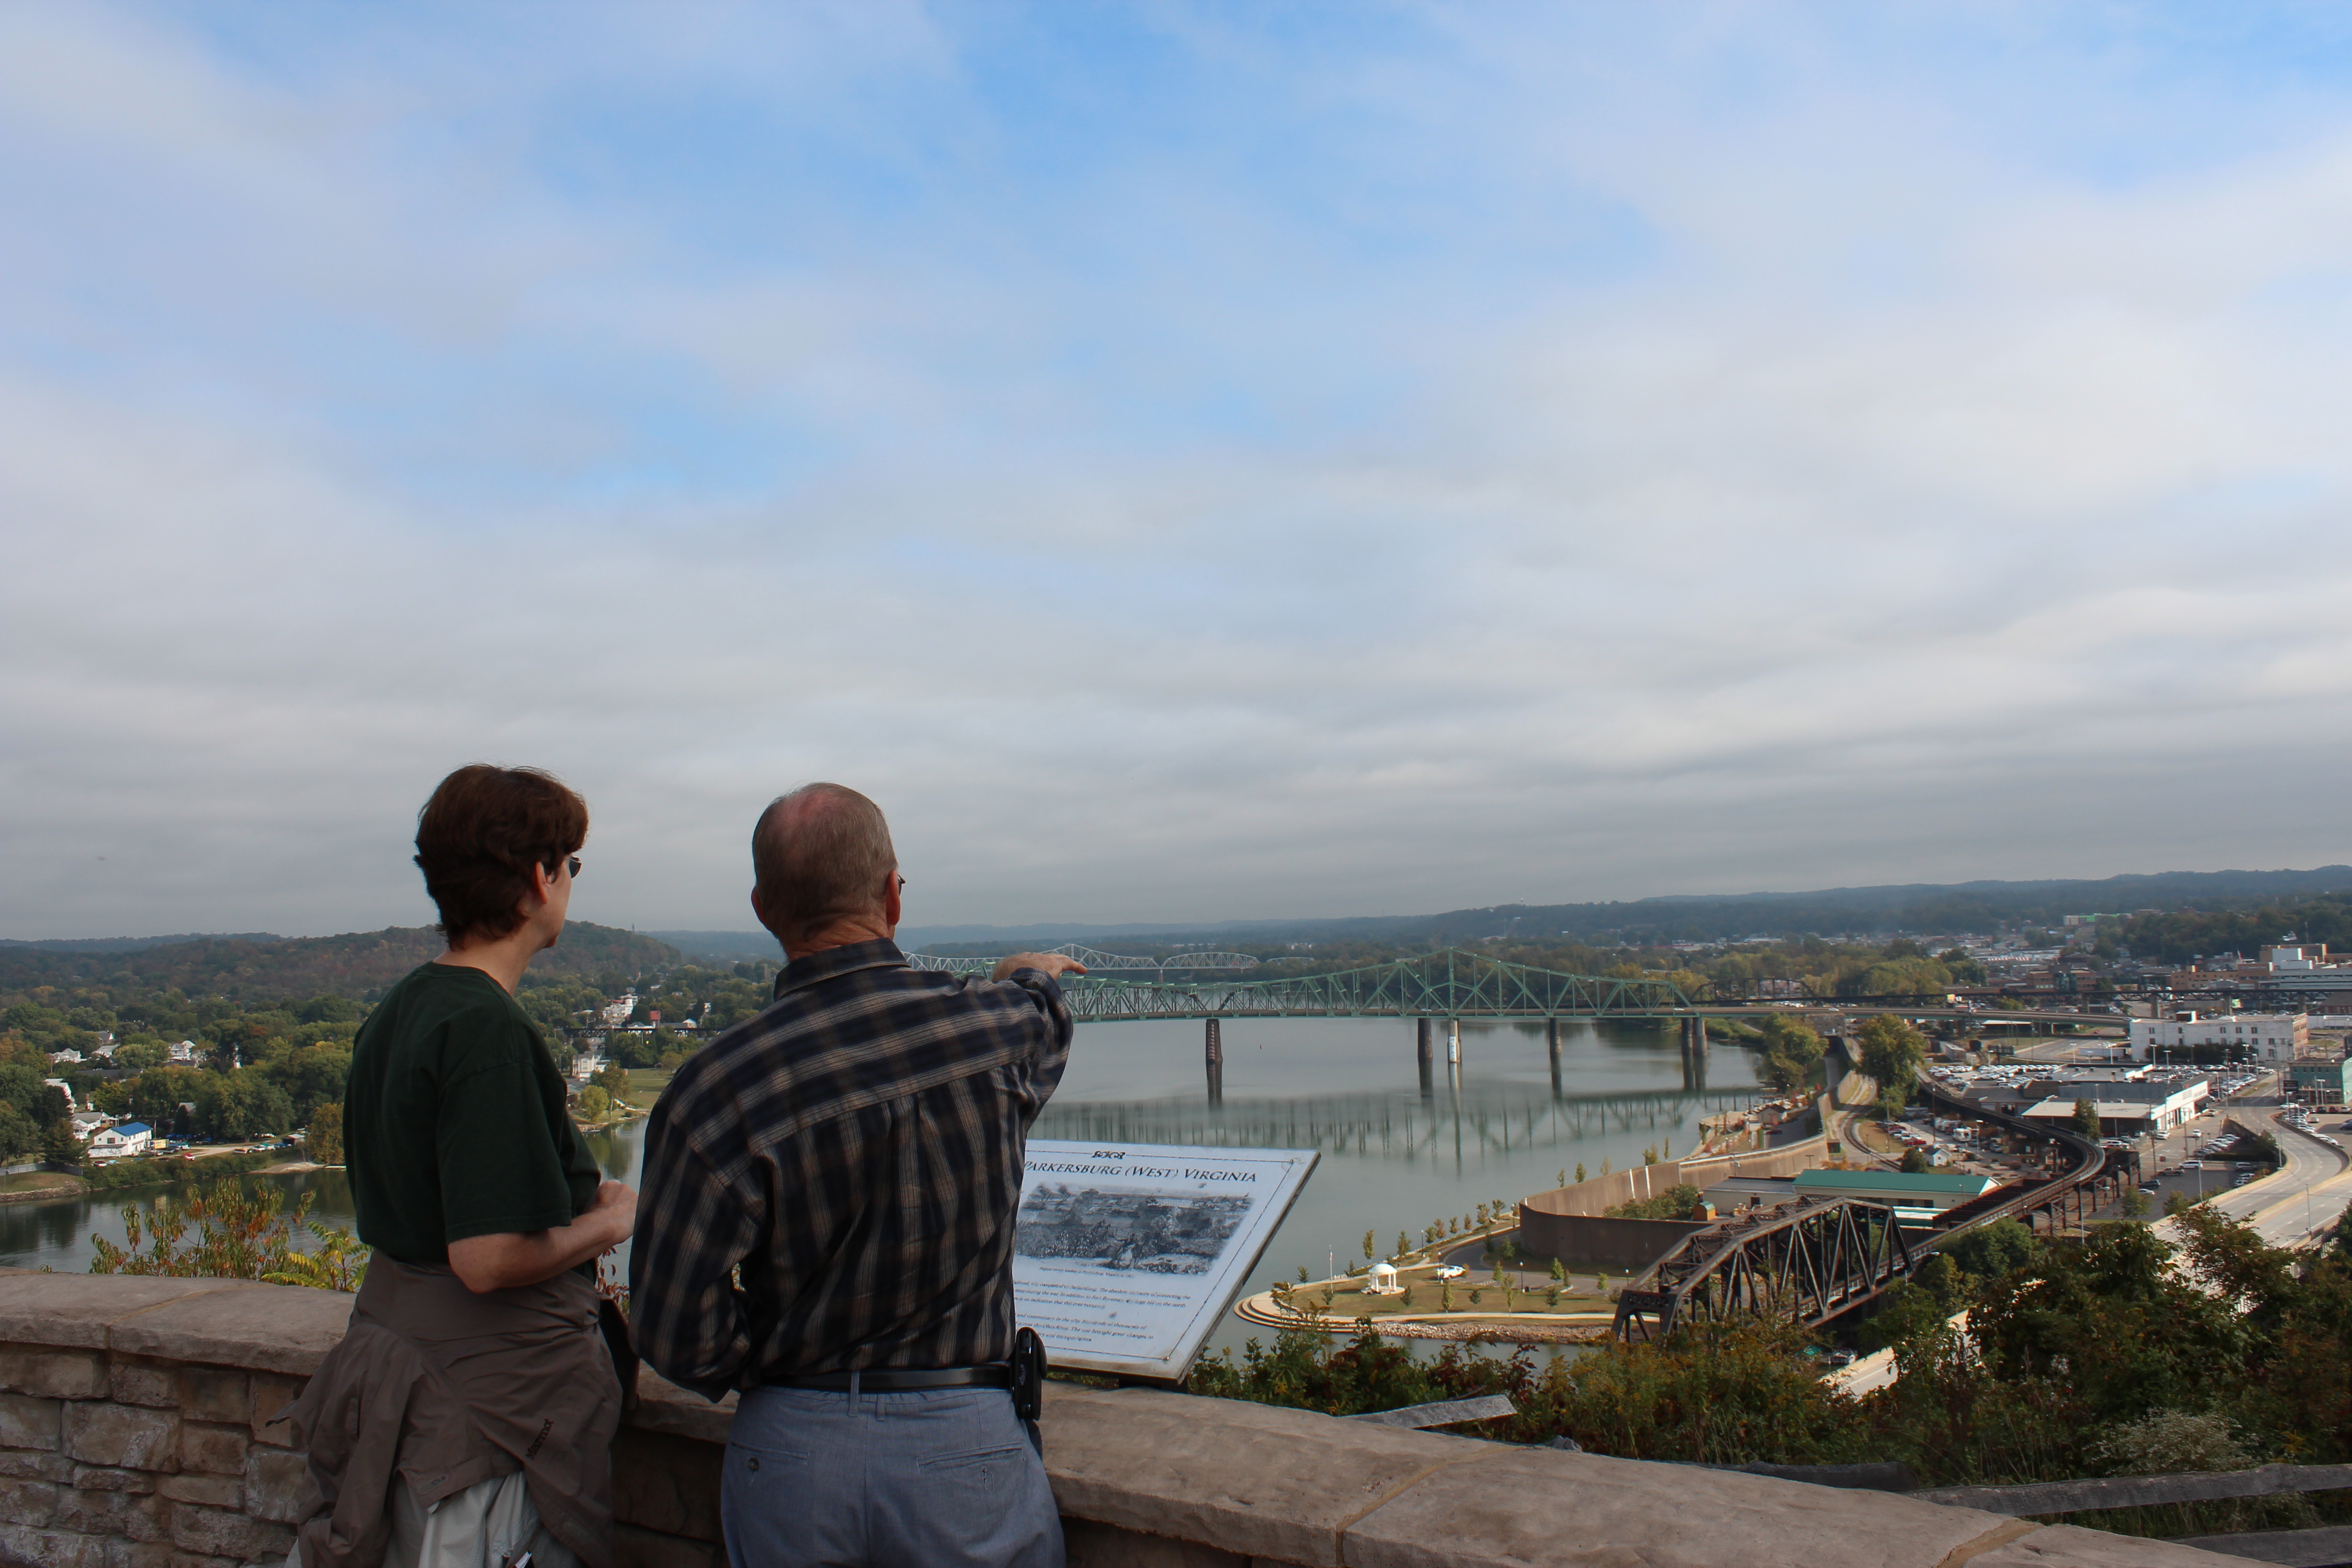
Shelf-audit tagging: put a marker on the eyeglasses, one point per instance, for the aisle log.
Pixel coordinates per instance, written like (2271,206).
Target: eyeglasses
(902,882)
(572,863)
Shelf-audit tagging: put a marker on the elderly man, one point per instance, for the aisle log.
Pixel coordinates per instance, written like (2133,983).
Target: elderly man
(827,1224)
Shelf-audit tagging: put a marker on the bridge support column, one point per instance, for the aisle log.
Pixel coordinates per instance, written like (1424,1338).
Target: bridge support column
(1551,1048)
(1454,1042)
(1421,1047)
(1214,1053)
(1693,1054)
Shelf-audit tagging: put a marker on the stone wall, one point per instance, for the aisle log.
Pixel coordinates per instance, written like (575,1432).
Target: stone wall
(136,1432)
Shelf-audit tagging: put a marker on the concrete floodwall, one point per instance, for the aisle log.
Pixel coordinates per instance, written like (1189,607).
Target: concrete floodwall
(1602,1193)
(1589,1241)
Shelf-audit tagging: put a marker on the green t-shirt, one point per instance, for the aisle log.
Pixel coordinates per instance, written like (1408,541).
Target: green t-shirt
(454,1124)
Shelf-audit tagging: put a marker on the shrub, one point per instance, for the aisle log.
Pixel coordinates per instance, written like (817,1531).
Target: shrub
(241,1233)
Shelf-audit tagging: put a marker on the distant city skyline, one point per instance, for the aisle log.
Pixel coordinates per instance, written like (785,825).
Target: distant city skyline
(1188,462)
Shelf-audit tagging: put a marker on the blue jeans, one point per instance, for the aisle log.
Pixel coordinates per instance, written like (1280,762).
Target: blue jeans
(818,1479)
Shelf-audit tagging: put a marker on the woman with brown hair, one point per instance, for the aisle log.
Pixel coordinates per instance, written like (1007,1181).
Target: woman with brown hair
(467,1417)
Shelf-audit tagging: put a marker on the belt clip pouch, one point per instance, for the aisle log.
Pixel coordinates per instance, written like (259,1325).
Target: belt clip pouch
(615,1328)
(1028,1374)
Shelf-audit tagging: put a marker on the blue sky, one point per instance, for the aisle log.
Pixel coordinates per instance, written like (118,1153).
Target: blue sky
(1186,461)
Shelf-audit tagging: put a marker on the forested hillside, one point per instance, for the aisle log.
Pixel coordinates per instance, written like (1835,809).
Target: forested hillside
(358,966)
(274,1023)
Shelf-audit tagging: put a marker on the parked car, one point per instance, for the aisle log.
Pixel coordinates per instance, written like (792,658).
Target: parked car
(1452,1271)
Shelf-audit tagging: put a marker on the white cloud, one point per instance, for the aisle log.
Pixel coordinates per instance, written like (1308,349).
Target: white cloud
(1529,454)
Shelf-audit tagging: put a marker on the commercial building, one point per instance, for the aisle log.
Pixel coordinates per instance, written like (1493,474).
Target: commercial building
(2137,1100)
(1921,1196)
(2271,1038)
(2322,1080)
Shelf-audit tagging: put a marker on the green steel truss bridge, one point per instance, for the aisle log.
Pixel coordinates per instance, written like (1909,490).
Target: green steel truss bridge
(1450,983)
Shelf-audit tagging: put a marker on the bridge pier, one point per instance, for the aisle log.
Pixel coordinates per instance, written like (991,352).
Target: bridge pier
(1454,1042)
(1422,1058)
(1551,1048)
(1214,1052)
(1693,1044)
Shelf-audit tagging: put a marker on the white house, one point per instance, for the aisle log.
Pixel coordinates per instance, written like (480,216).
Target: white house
(123,1142)
(185,1052)
(2273,1038)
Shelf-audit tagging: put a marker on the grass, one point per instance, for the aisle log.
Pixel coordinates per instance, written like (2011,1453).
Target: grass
(37,1180)
(645,1085)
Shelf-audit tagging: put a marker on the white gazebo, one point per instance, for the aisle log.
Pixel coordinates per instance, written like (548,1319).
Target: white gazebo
(1385,1281)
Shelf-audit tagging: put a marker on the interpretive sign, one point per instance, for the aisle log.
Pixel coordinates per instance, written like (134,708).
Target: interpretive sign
(1128,1254)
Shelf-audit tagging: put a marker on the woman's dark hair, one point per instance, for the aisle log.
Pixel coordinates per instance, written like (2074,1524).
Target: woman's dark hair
(480,836)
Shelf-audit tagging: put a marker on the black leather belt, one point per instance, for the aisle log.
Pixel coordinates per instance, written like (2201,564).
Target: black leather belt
(901,1380)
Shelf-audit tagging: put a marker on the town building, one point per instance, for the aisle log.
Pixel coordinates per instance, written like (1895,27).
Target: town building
(2272,1038)
(1920,1196)
(127,1141)
(2137,1100)
(2322,1079)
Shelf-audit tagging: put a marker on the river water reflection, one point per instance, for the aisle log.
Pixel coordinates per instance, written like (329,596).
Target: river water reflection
(1393,1157)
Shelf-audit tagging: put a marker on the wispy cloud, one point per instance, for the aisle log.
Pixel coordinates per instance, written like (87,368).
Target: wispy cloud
(1190,461)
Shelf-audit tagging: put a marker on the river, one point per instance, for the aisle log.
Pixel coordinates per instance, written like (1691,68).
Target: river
(1393,1159)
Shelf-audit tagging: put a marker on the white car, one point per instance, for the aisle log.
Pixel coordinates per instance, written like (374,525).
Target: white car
(1452,1271)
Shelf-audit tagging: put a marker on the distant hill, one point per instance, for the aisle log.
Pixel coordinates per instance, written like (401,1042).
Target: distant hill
(135,944)
(721,946)
(1922,908)
(359,964)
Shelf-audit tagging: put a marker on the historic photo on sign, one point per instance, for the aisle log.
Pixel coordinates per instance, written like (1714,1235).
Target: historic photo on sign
(1157,1232)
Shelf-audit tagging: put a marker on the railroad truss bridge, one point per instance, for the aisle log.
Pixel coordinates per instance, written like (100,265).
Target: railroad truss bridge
(1809,1261)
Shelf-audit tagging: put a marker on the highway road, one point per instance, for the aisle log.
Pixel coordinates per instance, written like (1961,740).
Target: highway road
(2303,1197)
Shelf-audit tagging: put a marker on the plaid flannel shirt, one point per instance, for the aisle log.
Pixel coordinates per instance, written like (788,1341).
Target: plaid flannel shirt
(833,1185)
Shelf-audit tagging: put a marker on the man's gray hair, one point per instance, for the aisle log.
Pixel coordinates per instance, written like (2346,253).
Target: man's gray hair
(820,854)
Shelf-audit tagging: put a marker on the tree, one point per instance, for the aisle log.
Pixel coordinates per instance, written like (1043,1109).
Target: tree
(612,1081)
(1914,1164)
(234,1108)
(2087,1119)
(312,1076)
(324,1138)
(1405,1245)
(1368,1244)
(59,1144)
(593,1104)
(138,1056)
(1580,1172)
(1891,1051)
(19,1134)
(1792,1054)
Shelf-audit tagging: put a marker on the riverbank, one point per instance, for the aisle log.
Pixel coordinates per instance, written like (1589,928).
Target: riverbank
(1474,1328)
